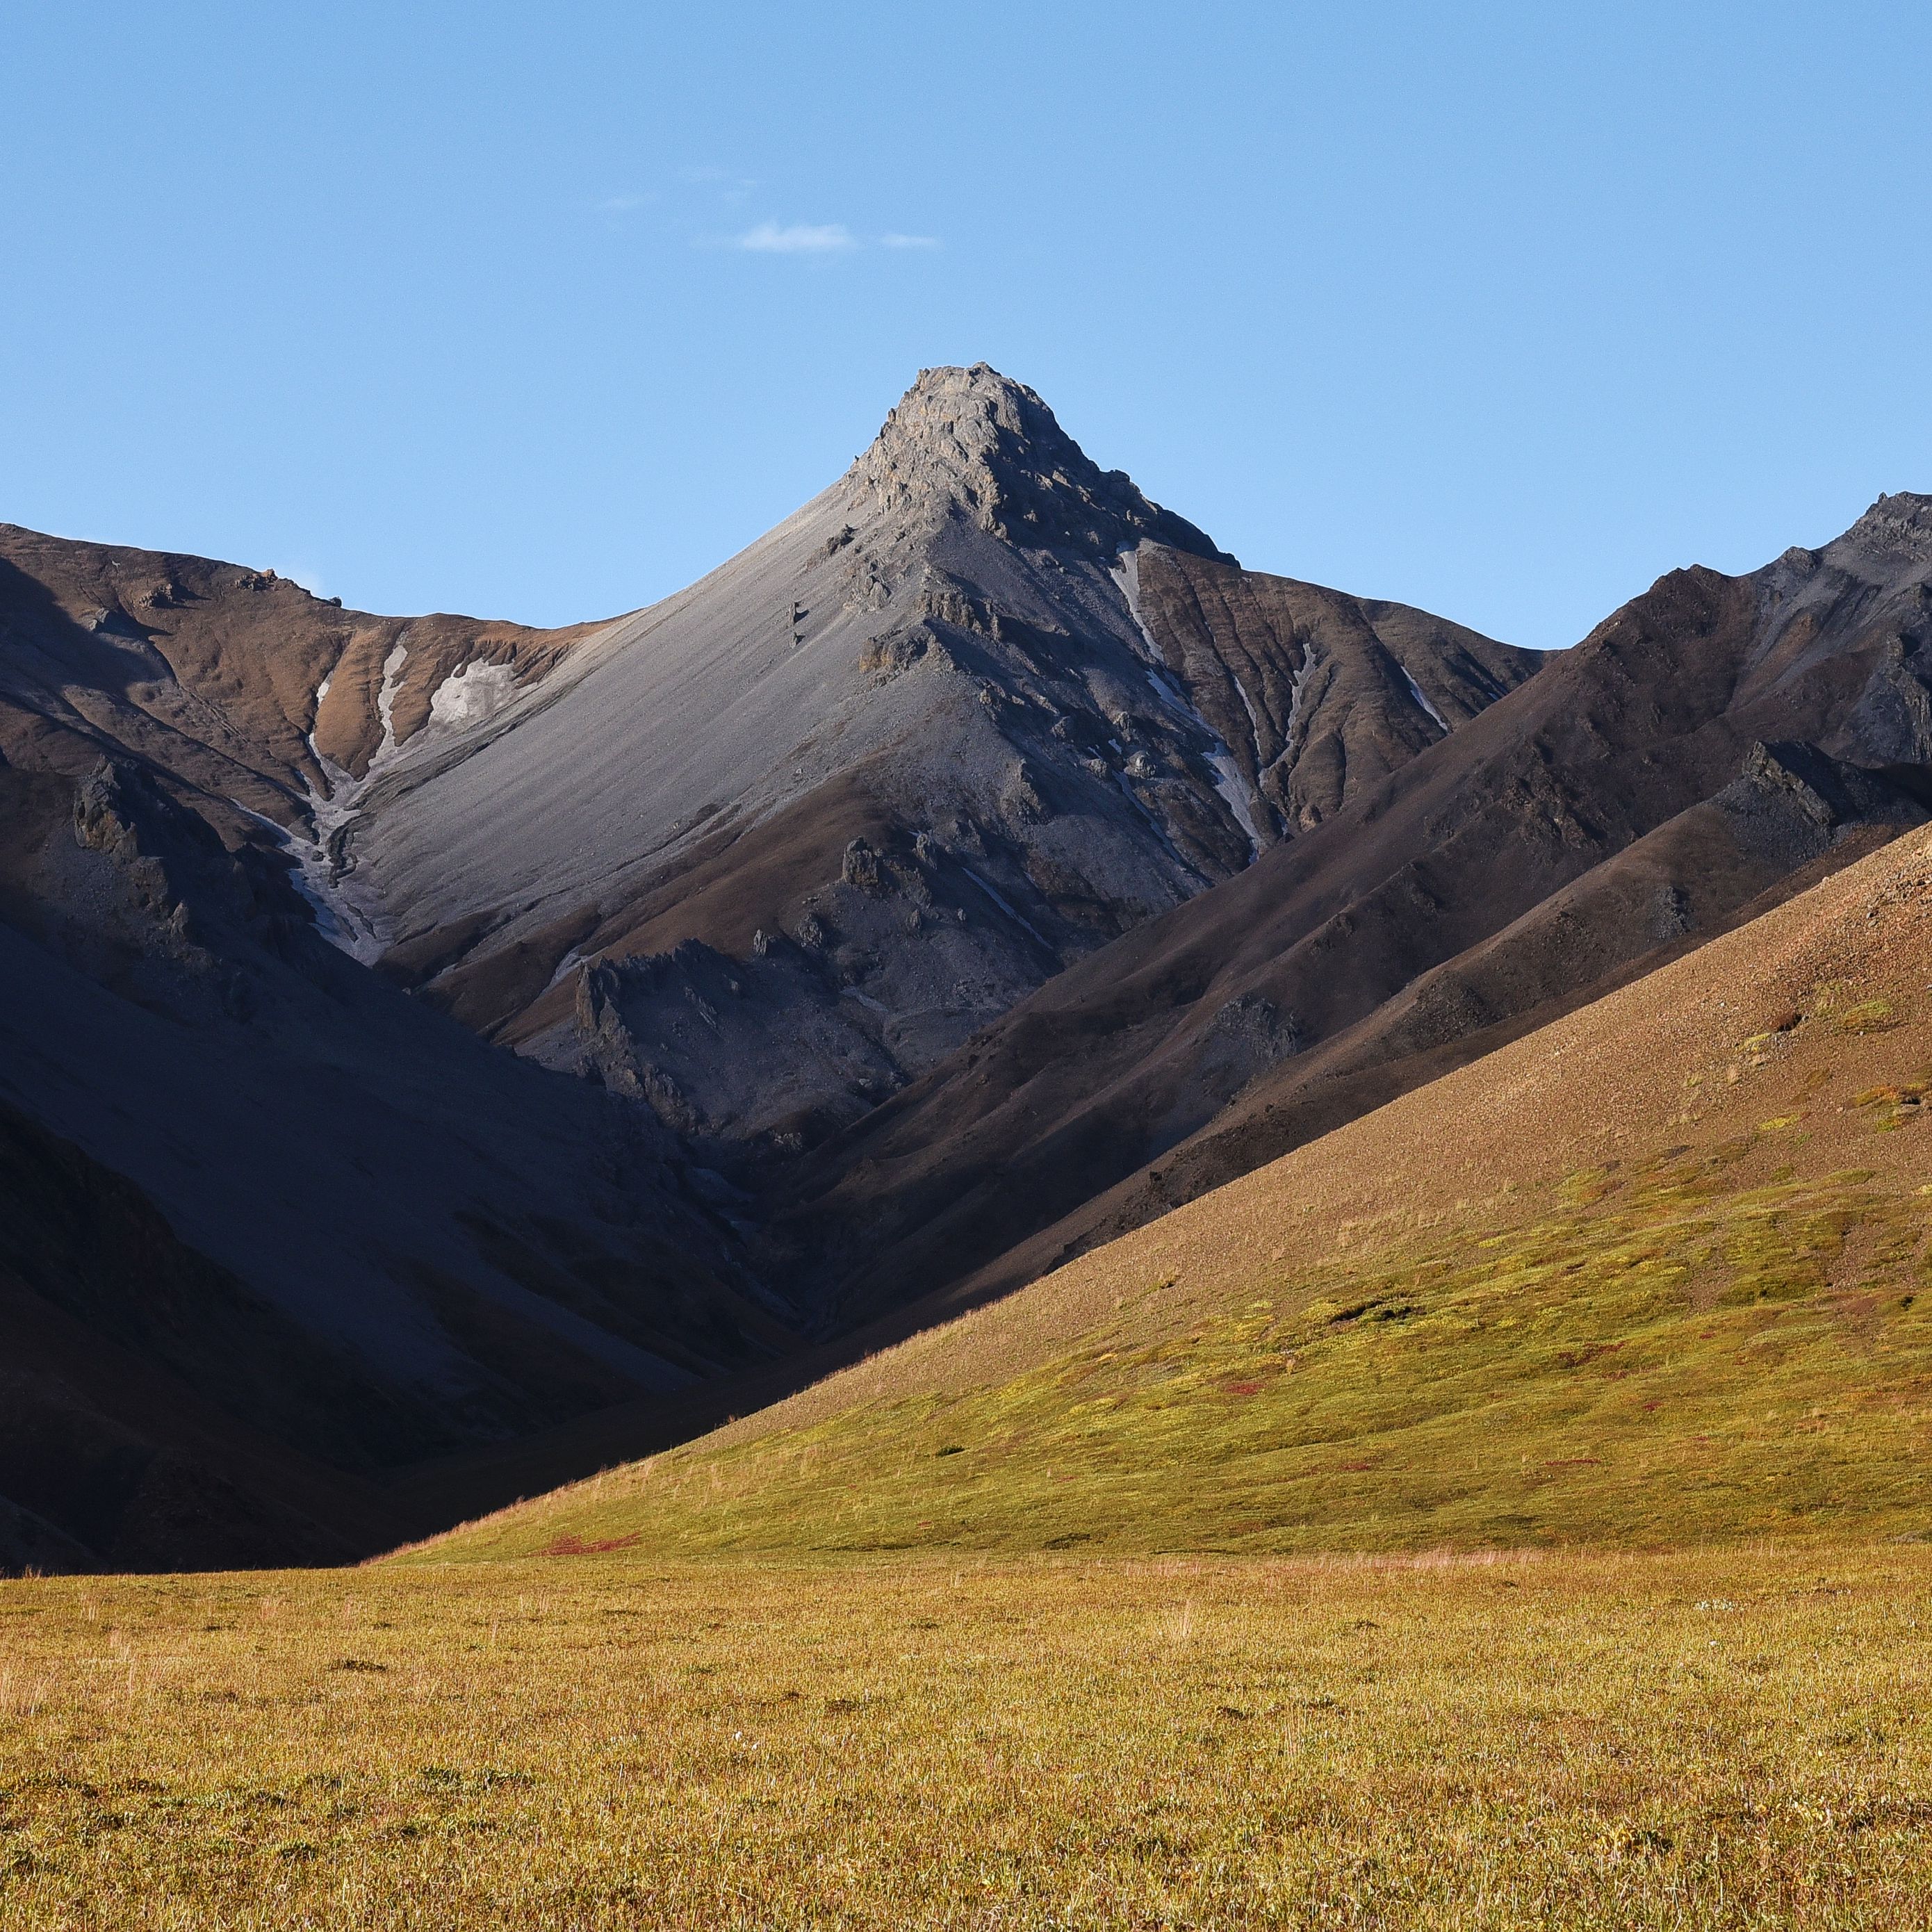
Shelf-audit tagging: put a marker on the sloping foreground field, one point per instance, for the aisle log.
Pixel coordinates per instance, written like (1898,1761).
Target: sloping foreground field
(1741,1739)
(1658,1272)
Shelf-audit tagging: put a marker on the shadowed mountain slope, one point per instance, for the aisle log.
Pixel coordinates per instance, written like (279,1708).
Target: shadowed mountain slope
(1662,1268)
(252,1195)
(1709,742)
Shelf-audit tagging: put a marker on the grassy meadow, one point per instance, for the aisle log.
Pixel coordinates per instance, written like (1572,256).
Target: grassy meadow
(1735,1739)
(1658,1273)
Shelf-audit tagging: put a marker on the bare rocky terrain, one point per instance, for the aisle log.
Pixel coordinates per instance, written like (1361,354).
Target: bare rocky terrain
(765,852)
(440,1056)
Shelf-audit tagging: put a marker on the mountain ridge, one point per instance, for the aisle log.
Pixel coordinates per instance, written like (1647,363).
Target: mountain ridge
(578,1036)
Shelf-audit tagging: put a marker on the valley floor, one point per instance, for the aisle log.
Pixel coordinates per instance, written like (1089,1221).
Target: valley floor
(1735,1738)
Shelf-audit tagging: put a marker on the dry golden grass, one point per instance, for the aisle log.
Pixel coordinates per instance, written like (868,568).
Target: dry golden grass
(1741,1739)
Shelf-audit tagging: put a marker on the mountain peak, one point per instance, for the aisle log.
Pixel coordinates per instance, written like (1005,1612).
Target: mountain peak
(1896,531)
(973,441)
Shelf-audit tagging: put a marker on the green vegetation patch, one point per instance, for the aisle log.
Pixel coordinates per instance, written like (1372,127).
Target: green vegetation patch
(1660,1361)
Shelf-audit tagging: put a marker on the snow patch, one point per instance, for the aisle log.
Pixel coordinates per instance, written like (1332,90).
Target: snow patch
(1011,912)
(343,924)
(567,963)
(321,692)
(1229,783)
(386,699)
(1297,686)
(472,693)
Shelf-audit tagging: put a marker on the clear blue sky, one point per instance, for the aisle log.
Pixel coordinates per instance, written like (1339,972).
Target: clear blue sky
(1503,309)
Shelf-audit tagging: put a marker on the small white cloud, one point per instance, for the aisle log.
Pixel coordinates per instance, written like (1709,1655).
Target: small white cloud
(908,241)
(798,238)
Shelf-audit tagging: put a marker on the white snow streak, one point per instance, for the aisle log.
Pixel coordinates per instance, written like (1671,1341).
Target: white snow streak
(1011,912)
(351,927)
(345,925)
(1416,692)
(385,698)
(472,693)
(1297,685)
(1227,780)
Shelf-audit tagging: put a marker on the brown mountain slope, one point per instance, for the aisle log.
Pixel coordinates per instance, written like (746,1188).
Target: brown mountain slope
(237,682)
(1621,802)
(1662,1269)
(1317,695)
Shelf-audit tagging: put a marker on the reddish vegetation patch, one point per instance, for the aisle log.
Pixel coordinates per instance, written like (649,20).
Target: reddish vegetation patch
(1242,1388)
(575,1546)
(1354,1469)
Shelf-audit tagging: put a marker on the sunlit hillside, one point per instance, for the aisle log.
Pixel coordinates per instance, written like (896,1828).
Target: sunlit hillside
(1658,1272)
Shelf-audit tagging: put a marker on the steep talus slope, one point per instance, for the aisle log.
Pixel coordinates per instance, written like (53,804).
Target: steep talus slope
(1661,1269)
(1707,743)
(797,833)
